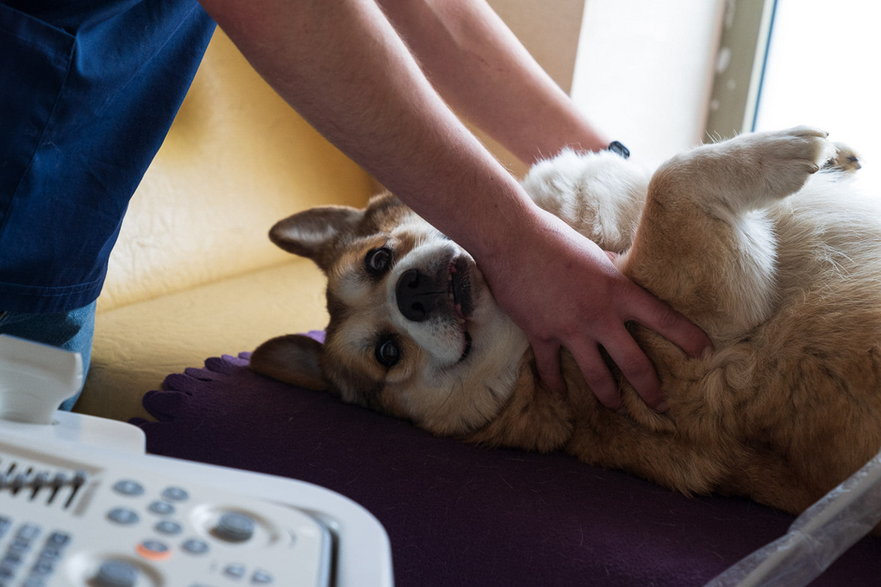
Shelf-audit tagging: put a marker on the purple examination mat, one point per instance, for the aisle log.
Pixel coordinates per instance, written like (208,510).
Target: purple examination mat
(464,515)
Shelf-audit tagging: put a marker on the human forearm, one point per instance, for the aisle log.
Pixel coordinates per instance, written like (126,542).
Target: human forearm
(486,74)
(371,99)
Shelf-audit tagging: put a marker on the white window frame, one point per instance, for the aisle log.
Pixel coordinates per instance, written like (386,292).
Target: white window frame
(740,65)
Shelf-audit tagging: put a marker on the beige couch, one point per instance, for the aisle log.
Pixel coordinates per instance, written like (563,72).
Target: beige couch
(193,274)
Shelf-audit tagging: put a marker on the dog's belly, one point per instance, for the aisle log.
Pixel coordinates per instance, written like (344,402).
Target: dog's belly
(788,409)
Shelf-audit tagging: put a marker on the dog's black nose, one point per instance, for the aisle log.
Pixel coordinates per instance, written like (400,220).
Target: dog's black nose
(418,295)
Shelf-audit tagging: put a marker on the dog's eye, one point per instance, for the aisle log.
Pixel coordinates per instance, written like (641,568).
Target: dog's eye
(378,260)
(387,352)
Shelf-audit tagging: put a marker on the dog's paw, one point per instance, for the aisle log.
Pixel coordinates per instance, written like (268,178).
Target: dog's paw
(754,170)
(786,159)
(750,171)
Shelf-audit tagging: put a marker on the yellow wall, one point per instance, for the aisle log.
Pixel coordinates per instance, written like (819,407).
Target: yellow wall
(236,160)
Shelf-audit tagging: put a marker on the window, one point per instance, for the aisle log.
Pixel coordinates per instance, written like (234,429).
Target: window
(807,62)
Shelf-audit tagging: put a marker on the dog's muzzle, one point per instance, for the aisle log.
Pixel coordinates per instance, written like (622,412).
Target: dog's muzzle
(421,296)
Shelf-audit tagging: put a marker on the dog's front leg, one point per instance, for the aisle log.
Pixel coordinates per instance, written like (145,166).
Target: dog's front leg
(704,243)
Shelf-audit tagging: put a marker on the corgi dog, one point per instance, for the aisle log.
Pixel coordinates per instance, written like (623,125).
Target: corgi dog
(761,240)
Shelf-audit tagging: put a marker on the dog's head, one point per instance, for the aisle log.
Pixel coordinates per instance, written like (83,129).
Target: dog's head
(414,330)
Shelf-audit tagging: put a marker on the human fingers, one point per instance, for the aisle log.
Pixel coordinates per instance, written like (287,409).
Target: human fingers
(596,373)
(547,362)
(656,315)
(635,366)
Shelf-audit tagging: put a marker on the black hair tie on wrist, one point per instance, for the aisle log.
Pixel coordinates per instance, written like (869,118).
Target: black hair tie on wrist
(619,149)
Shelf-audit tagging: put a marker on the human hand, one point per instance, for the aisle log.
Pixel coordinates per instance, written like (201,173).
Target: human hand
(564,291)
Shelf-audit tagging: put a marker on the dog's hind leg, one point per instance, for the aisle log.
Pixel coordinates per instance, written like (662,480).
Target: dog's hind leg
(704,243)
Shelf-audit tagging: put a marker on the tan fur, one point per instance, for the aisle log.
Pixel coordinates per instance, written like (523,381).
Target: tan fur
(779,264)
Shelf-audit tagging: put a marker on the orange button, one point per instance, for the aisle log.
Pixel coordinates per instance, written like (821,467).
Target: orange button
(153,550)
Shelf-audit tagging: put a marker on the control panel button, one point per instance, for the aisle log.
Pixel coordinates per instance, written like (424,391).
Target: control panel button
(175,494)
(13,557)
(44,566)
(123,516)
(28,532)
(234,527)
(168,527)
(153,550)
(261,577)
(128,487)
(234,571)
(163,508)
(58,539)
(194,546)
(116,574)
(8,571)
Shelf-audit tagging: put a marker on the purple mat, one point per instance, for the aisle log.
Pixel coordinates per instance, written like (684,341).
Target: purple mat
(463,515)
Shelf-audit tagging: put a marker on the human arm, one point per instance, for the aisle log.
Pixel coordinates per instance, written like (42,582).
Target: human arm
(343,66)
(483,71)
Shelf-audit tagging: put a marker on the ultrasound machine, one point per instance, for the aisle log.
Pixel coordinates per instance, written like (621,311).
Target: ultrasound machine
(81,503)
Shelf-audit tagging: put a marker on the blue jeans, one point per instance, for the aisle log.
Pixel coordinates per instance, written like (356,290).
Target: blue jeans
(71,331)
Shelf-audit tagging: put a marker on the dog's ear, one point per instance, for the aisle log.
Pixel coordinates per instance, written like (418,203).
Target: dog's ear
(292,358)
(316,233)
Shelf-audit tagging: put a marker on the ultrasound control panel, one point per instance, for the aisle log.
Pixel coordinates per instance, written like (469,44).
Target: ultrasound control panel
(73,523)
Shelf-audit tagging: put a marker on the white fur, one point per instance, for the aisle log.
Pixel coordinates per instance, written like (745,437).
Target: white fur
(599,194)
